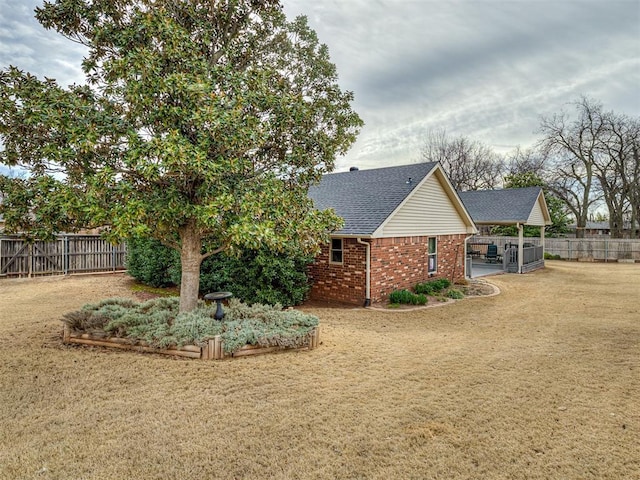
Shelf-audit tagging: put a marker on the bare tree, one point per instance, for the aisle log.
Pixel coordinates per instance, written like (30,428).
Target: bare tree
(572,147)
(595,157)
(618,171)
(529,161)
(470,164)
(634,197)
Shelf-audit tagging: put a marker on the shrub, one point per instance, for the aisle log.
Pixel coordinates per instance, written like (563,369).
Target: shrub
(254,276)
(407,297)
(455,294)
(258,277)
(266,326)
(150,262)
(549,256)
(432,287)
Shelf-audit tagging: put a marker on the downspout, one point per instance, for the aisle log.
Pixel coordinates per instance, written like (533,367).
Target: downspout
(367,290)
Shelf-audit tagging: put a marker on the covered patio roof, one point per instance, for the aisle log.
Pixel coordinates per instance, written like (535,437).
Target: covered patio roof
(509,206)
(512,206)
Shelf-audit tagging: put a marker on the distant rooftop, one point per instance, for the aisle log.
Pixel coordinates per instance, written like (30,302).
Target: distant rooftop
(601,225)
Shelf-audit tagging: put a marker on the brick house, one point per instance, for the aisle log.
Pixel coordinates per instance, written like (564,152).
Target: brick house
(403,225)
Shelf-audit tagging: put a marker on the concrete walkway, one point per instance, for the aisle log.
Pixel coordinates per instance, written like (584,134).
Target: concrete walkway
(480,268)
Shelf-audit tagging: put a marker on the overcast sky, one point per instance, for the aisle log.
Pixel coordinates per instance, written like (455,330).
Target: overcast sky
(485,69)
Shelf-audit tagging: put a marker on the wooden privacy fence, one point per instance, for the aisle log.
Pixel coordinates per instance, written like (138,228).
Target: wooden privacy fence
(582,249)
(67,254)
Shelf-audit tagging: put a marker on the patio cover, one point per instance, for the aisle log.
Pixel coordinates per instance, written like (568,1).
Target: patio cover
(509,206)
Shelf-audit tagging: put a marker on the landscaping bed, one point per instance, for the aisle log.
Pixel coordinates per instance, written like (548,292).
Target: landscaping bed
(213,350)
(156,326)
(437,291)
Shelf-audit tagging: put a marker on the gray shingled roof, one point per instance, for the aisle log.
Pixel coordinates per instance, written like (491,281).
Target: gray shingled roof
(601,225)
(365,198)
(510,205)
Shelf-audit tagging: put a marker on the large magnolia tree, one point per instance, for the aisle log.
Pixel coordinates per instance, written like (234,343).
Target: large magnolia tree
(202,123)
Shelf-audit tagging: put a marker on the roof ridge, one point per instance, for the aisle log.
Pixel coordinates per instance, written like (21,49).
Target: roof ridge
(415,164)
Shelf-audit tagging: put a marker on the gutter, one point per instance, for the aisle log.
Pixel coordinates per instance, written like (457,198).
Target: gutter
(367,300)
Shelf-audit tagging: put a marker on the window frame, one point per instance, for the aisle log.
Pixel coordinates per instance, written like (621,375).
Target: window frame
(432,256)
(339,251)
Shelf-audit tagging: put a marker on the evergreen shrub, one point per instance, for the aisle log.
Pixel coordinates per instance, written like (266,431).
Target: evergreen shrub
(455,294)
(150,262)
(432,286)
(406,297)
(258,276)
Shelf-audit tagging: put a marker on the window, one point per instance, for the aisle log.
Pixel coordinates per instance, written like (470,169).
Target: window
(335,255)
(432,262)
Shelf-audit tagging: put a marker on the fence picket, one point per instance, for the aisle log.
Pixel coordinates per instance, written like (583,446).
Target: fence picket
(67,254)
(582,249)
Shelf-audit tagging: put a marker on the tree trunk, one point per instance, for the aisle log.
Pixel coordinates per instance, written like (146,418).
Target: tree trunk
(616,224)
(581,225)
(190,258)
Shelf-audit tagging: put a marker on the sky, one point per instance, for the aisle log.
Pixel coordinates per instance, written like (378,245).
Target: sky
(488,70)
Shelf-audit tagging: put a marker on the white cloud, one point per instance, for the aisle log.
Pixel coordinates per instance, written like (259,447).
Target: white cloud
(486,69)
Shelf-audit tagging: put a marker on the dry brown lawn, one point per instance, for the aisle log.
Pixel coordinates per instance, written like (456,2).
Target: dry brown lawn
(539,382)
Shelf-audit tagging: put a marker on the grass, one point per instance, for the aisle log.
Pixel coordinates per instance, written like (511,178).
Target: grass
(145,291)
(539,382)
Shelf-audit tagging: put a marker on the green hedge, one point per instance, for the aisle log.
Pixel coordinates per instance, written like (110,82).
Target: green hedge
(253,277)
(150,262)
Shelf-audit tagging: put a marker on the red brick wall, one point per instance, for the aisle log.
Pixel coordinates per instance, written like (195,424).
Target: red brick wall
(343,283)
(401,262)
(396,263)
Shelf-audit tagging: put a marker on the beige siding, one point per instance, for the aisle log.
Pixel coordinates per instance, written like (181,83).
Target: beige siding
(537,216)
(429,211)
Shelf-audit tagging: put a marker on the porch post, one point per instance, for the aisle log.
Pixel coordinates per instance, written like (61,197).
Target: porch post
(542,240)
(520,246)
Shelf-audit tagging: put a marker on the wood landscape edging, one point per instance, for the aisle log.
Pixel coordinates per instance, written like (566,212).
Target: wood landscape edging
(213,349)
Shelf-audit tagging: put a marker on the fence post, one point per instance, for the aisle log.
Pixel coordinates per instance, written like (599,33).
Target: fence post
(30,260)
(65,254)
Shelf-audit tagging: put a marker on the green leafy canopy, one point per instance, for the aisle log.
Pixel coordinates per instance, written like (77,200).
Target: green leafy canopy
(201,124)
